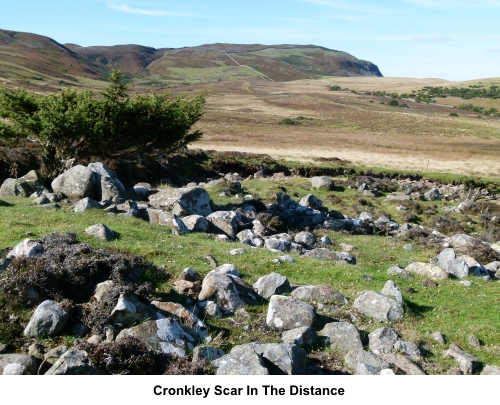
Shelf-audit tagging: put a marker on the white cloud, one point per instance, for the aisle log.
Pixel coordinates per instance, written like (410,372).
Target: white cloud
(152,13)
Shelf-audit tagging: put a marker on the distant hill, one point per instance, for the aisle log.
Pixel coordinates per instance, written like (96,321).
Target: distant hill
(35,60)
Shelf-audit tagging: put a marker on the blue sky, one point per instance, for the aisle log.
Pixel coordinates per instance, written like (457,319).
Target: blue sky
(449,39)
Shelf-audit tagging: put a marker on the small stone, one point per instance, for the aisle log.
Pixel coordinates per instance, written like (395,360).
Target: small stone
(438,337)
(429,283)
(410,290)
(391,289)
(490,370)
(466,362)
(398,271)
(466,283)
(287,259)
(100,231)
(409,246)
(303,336)
(474,342)
(236,252)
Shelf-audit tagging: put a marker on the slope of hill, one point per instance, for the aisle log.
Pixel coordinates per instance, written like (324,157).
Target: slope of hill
(37,61)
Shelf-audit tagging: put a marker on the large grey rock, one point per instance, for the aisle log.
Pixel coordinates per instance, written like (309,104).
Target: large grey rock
(354,357)
(278,358)
(109,187)
(391,290)
(221,288)
(409,349)
(343,336)
(402,362)
(100,231)
(129,310)
(163,335)
(398,196)
(196,223)
(306,239)
(48,320)
(188,282)
(320,294)
(226,222)
(289,313)
(86,204)
(330,255)
(277,244)
(463,240)
(240,363)
(303,336)
(228,269)
(18,364)
(4,263)
(272,284)
(366,369)
(208,353)
(179,226)
(28,248)
(322,183)
(77,182)
(23,186)
(467,363)
(457,266)
(491,370)
(382,340)
(311,201)
(74,362)
(427,270)
(54,354)
(433,194)
(398,271)
(188,320)
(193,200)
(378,306)
(475,267)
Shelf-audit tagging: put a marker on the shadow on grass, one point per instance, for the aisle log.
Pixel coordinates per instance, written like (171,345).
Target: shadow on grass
(5,204)
(416,309)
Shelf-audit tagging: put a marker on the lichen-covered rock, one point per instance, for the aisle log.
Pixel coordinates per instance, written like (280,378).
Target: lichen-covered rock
(221,288)
(427,270)
(320,294)
(163,335)
(74,362)
(403,363)
(100,231)
(77,182)
(18,364)
(354,357)
(28,248)
(409,349)
(379,306)
(196,223)
(322,183)
(86,204)
(391,290)
(226,222)
(208,353)
(289,313)
(109,187)
(276,244)
(189,321)
(48,320)
(188,282)
(241,363)
(306,239)
(343,336)
(272,284)
(129,310)
(328,254)
(23,186)
(382,340)
(467,363)
(193,200)
(303,336)
(311,201)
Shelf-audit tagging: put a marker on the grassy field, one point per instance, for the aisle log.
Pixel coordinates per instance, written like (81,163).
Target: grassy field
(455,310)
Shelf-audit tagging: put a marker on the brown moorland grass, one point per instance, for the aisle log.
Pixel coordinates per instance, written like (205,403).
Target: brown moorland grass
(244,116)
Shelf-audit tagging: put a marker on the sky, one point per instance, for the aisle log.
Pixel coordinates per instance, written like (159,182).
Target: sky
(449,39)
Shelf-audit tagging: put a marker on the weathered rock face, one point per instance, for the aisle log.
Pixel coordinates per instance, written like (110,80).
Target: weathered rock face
(433,194)
(226,222)
(491,370)
(303,336)
(328,254)
(319,294)
(398,271)
(240,363)
(343,336)
(221,288)
(448,261)
(28,248)
(272,284)
(391,290)
(277,244)
(23,186)
(276,358)
(403,363)
(311,201)
(196,223)
(427,270)
(74,362)
(18,364)
(382,340)
(130,311)
(188,282)
(77,182)
(47,320)
(462,240)
(189,321)
(208,353)
(163,335)
(86,204)
(193,200)
(409,349)
(109,187)
(322,183)
(289,313)
(354,357)
(379,306)
(467,363)
(306,239)
(100,231)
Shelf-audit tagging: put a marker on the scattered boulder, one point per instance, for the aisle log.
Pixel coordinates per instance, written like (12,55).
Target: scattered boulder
(226,222)
(77,182)
(275,244)
(221,288)
(382,340)
(303,336)
(86,204)
(438,337)
(427,270)
(196,223)
(188,282)
(49,319)
(391,290)
(467,363)
(163,335)
(271,284)
(409,349)
(311,201)
(193,200)
(109,187)
(322,183)
(398,271)
(178,226)
(129,310)
(328,254)
(23,186)
(18,364)
(320,294)
(433,194)
(306,239)
(207,353)
(189,321)
(354,357)
(100,231)
(240,363)
(490,370)
(378,306)
(343,336)
(403,363)
(28,248)
(74,362)
(289,313)
(366,369)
